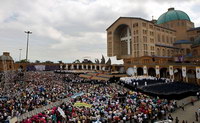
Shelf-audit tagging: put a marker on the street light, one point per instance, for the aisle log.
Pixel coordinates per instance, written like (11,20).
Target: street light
(20,54)
(28,32)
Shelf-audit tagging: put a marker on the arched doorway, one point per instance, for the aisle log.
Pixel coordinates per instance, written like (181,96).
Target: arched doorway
(178,74)
(191,74)
(97,67)
(69,67)
(63,67)
(164,73)
(140,71)
(151,72)
(89,67)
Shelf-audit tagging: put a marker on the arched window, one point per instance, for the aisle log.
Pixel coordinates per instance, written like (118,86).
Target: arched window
(163,52)
(168,53)
(158,51)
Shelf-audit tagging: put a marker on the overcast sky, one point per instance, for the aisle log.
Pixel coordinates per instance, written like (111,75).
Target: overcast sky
(72,29)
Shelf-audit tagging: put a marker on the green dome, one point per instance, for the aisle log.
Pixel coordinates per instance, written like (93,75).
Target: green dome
(171,15)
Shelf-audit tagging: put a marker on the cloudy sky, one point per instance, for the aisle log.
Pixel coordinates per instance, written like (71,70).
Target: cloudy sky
(73,29)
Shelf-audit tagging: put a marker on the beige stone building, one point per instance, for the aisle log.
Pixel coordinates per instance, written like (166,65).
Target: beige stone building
(172,35)
(170,41)
(6,62)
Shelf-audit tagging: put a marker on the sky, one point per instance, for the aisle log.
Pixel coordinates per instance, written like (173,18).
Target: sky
(73,29)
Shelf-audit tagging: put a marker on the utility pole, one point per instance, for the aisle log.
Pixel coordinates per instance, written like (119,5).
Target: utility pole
(20,54)
(28,32)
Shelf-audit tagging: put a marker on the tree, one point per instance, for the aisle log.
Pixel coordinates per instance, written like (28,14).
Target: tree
(60,62)
(48,62)
(23,61)
(37,61)
(77,61)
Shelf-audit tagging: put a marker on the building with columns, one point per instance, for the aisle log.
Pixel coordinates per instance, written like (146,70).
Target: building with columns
(166,47)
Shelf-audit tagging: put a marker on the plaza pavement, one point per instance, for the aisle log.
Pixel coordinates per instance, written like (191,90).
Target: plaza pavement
(188,114)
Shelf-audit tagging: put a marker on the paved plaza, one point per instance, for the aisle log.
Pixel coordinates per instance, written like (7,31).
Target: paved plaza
(188,114)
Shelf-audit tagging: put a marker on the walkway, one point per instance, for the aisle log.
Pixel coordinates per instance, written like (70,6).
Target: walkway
(188,114)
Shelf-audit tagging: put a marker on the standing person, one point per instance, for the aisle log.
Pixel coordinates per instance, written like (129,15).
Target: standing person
(192,101)
(182,106)
(199,111)
(196,115)
(176,120)
(198,96)
(170,117)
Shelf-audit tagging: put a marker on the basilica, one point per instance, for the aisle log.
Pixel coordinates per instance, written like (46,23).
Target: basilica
(164,47)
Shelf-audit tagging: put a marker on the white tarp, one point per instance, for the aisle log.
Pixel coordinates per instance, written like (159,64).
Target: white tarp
(61,112)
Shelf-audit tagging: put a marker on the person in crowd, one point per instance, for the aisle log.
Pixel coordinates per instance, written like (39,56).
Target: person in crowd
(176,120)
(170,117)
(196,116)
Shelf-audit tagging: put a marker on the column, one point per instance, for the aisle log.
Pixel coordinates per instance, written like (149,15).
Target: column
(91,66)
(82,67)
(86,67)
(66,66)
(145,70)
(72,67)
(77,66)
(95,67)
(158,71)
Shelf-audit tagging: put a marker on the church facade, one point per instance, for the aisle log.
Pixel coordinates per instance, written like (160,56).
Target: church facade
(171,42)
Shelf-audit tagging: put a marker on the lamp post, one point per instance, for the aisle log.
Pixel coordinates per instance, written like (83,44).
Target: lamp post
(28,33)
(20,54)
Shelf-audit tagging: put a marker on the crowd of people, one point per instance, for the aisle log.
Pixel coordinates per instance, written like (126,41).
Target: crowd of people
(110,103)
(38,89)
(100,100)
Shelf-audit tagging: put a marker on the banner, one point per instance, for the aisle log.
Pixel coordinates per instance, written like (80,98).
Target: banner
(135,70)
(157,70)
(145,69)
(171,72)
(77,95)
(61,112)
(198,72)
(40,67)
(79,104)
(184,71)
